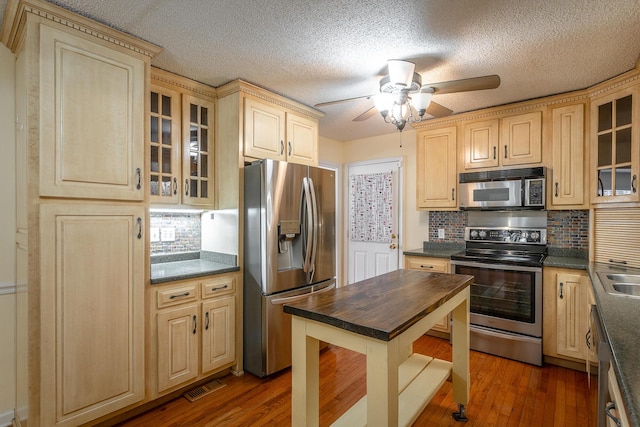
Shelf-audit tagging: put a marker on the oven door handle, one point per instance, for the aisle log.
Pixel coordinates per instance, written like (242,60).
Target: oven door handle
(495,266)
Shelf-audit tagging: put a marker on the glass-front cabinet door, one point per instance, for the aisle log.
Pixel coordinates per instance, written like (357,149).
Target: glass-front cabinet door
(615,148)
(197,151)
(164,146)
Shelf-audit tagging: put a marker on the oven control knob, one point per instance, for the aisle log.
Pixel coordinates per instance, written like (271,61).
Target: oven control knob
(474,234)
(524,235)
(483,234)
(535,236)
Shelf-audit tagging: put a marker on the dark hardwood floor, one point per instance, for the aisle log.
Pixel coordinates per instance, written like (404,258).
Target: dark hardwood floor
(503,393)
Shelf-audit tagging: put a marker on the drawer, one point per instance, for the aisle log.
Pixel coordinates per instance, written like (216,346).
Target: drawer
(428,264)
(177,295)
(218,286)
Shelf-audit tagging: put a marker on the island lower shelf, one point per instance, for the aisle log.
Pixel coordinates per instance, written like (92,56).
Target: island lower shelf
(419,378)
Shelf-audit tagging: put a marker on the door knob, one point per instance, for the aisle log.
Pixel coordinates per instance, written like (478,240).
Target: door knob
(393,235)
(392,246)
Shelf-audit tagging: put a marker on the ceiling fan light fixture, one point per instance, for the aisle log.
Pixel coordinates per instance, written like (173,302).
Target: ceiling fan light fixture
(420,101)
(401,72)
(383,102)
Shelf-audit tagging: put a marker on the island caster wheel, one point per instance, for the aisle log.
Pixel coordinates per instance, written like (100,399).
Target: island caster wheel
(461,415)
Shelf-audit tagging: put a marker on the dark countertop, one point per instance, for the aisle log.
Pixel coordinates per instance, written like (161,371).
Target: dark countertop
(384,306)
(179,270)
(621,319)
(437,249)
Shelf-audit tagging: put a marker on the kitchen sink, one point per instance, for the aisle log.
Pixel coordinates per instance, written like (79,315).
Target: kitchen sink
(627,285)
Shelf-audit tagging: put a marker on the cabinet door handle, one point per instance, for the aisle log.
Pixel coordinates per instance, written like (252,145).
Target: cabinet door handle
(289,148)
(139,175)
(556,189)
(139,221)
(495,149)
(175,185)
(505,151)
(195,324)
(186,187)
(633,183)
(206,321)
(453,194)
(610,406)
(587,338)
(617,261)
(561,285)
(219,288)
(174,296)
(281,147)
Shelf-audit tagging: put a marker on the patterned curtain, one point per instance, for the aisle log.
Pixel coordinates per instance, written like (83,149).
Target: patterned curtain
(371,207)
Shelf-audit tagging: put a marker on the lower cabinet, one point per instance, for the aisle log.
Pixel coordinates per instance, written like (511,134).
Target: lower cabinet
(565,313)
(440,265)
(195,330)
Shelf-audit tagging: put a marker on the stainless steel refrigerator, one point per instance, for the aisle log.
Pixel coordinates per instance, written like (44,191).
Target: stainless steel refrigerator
(289,253)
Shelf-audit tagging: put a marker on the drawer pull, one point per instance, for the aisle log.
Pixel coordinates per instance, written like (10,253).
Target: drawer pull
(186,294)
(219,288)
(426,266)
(618,261)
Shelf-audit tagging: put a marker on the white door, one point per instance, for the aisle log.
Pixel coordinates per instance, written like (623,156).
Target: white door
(373,210)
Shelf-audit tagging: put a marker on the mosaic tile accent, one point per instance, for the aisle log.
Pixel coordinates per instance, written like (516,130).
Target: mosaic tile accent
(565,229)
(568,229)
(187,232)
(453,223)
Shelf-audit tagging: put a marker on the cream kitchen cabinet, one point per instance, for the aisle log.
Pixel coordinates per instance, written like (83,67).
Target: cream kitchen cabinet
(270,132)
(440,265)
(91,313)
(565,313)
(91,117)
(615,403)
(505,141)
(181,141)
(81,97)
(195,334)
(436,168)
(615,144)
(567,181)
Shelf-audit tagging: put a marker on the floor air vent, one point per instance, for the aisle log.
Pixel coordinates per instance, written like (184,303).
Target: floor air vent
(203,390)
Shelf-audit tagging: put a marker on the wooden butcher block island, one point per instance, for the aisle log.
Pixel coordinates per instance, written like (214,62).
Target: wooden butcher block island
(381,317)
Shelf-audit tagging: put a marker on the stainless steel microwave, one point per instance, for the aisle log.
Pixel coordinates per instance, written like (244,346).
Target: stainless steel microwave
(503,189)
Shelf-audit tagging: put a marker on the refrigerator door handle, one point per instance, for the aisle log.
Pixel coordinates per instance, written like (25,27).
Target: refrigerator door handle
(314,215)
(284,300)
(306,209)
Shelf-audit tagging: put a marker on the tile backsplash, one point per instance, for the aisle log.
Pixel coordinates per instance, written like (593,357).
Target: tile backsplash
(186,228)
(565,229)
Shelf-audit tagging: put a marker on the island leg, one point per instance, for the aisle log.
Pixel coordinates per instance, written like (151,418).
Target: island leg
(382,383)
(460,357)
(305,377)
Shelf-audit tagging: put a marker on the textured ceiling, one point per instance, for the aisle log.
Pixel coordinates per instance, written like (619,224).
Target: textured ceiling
(321,50)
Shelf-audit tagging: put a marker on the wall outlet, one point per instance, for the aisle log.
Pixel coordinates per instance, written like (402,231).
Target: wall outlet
(440,233)
(168,234)
(154,234)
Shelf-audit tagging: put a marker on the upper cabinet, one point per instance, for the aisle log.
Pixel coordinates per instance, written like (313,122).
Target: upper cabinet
(507,141)
(567,182)
(614,143)
(91,117)
(436,168)
(181,141)
(271,132)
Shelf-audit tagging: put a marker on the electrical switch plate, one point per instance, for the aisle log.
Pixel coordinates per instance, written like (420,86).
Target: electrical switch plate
(154,234)
(440,233)
(168,234)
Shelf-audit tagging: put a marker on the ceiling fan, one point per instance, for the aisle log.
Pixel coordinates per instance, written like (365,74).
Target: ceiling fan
(402,93)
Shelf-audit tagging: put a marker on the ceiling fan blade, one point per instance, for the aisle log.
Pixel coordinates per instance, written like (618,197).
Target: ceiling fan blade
(437,110)
(324,104)
(465,85)
(366,115)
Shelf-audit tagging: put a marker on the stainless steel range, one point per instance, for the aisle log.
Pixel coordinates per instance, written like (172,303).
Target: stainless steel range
(505,252)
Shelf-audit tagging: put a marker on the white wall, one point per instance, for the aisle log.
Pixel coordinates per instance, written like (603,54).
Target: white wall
(393,145)
(219,231)
(7,231)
